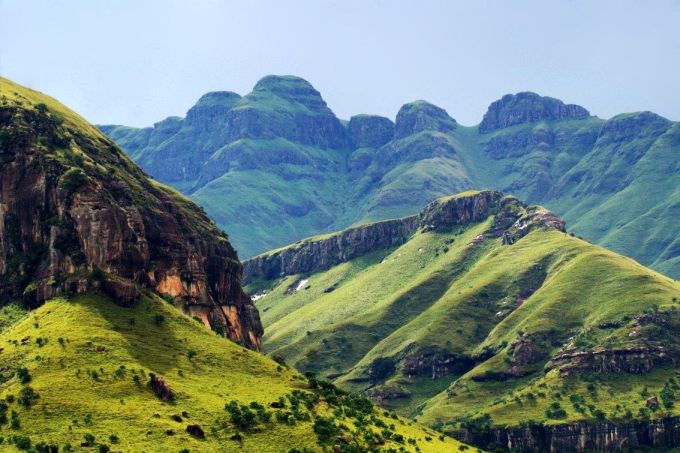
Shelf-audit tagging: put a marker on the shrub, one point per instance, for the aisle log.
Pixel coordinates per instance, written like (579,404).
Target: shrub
(89,439)
(325,429)
(103,448)
(43,447)
(14,421)
(22,442)
(159,319)
(555,411)
(241,415)
(27,396)
(23,375)
(72,180)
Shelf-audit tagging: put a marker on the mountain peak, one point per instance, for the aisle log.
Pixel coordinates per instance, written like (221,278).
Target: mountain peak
(527,107)
(418,116)
(291,88)
(211,106)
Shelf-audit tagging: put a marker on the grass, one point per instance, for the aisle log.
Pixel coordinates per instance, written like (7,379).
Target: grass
(438,295)
(618,189)
(89,361)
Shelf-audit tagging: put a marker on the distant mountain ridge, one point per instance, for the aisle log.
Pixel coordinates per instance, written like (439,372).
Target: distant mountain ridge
(292,169)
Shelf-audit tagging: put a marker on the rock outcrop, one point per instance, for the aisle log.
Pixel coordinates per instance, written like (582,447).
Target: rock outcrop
(513,220)
(421,116)
(369,131)
(636,360)
(76,215)
(317,254)
(526,107)
(662,433)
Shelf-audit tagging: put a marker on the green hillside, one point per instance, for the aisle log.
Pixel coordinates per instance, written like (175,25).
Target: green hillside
(82,366)
(456,323)
(276,166)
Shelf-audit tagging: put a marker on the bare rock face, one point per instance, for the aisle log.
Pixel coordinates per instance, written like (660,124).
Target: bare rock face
(636,360)
(660,434)
(71,203)
(526,107)
(513,219)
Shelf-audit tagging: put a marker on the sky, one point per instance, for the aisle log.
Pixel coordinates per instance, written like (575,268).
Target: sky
(136,62)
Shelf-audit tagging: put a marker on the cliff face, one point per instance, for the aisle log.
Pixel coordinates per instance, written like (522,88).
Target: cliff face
(527,107)
(316,254)
(77,216)
(662,433)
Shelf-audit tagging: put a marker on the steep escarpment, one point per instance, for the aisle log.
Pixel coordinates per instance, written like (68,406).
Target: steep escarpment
(660,435)
(317,254)
(77,216)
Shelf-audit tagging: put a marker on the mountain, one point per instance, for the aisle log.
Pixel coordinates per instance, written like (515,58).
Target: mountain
(108,282)
(276,165)
(482,317)
(80,216)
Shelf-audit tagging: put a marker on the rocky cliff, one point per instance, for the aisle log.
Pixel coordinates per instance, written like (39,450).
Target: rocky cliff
(526,107)
(660,434)
(513,220)
(76,215)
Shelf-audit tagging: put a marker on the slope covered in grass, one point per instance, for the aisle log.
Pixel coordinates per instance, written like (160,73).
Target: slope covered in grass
(459,322)
(303,172)
(88,364)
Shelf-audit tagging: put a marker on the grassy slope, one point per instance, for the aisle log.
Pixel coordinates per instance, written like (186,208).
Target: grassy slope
(90,335)
(461,301)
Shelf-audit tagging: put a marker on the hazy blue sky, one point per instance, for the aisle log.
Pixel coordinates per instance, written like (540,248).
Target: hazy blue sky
(136,62)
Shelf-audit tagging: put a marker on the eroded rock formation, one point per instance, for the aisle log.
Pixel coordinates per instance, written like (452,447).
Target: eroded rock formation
(513,220)
(76,215)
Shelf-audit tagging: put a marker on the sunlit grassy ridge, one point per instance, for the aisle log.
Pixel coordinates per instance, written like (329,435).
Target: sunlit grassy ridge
(89,361)
(430,327)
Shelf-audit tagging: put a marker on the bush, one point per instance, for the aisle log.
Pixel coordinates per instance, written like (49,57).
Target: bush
(325,429)
(22,442)
(555,411)
(27,396)
(23,375)
(241,415)
(72,180)
(14,421)
(89,439)
(43,447)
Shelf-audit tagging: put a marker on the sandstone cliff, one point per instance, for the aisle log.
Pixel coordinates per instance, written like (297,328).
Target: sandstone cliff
(76,215)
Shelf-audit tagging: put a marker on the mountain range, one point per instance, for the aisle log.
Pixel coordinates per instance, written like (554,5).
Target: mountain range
(276,165)
(123,323)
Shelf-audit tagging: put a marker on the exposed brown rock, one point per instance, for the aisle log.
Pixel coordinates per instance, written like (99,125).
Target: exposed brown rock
(61,219)
(161,388)
(636,360)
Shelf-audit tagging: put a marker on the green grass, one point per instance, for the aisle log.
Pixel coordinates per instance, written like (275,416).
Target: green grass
(438,294)
(83,355)
(615,182)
